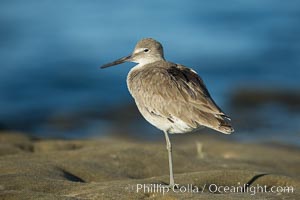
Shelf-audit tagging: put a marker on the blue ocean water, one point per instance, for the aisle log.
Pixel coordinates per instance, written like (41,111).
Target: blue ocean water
(51,51)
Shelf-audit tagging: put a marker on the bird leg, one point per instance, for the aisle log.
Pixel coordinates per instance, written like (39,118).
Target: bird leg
(169,148)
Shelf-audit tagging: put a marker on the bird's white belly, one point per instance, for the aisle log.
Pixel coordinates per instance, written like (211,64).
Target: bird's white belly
(175,125)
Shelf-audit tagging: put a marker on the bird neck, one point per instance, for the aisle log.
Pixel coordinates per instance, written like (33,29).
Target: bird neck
(146,61)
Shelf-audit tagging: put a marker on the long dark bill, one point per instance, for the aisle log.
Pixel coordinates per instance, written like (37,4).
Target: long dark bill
(116,62)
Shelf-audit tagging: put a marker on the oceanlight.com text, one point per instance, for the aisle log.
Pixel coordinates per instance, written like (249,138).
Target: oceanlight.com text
(211,188)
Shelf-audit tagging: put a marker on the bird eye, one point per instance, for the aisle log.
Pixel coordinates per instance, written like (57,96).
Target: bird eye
(146,50)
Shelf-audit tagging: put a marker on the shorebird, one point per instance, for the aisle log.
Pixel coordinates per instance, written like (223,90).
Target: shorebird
(170,96)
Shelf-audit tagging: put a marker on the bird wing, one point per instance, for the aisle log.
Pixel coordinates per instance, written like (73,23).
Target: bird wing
(192,89)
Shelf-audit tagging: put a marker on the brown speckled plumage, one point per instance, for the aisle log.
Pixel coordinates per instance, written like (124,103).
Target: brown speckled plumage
(168,90)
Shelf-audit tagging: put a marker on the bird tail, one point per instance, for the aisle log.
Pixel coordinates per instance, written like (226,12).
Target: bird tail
(217,121)
(224,125)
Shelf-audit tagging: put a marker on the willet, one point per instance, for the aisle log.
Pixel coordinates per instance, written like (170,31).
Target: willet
(170,96)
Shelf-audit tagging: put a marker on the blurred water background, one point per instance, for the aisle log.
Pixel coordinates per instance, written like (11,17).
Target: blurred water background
(247,52)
